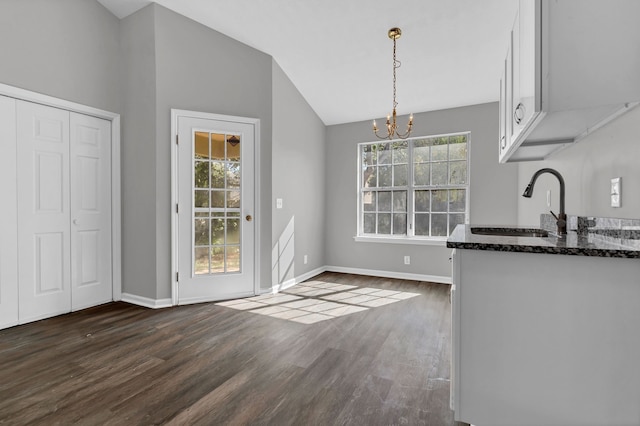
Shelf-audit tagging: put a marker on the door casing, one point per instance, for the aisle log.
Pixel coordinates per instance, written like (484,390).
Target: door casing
(175,115)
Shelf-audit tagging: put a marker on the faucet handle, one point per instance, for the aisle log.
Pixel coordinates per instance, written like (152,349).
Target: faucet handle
(554,215)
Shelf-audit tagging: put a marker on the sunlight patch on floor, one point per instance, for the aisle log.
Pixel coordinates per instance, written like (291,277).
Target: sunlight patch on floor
(315,301)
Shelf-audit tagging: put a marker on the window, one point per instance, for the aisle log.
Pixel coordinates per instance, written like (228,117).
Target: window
(417,187)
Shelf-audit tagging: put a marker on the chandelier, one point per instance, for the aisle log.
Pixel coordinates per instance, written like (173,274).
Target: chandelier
(392,127)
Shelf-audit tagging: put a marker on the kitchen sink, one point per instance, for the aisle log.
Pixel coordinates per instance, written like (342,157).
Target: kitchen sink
(509,232)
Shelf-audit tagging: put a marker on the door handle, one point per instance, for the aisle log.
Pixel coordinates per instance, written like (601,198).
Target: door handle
(249,218)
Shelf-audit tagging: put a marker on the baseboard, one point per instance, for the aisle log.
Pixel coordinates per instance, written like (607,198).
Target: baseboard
(357,271)
(145,301)
(387,274)
(296,280)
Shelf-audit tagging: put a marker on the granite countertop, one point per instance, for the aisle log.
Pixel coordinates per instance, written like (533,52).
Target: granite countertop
(594,242)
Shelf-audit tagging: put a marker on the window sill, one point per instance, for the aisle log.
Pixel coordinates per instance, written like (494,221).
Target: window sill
(434,241)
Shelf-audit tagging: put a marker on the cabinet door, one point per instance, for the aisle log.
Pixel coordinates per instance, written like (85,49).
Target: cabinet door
(8,217)
(502,143)
(44,262)
(523,44)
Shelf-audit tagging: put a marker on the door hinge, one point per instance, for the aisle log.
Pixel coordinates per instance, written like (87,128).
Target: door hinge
(177,208)
(177,276)
(177,139)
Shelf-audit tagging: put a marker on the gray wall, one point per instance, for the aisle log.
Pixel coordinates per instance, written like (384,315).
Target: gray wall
(298,178)
(139,155)
(587,168)
(68,49)
(492,199)
(200,69)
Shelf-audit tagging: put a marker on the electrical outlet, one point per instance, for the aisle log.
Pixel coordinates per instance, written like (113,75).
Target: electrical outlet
(548,198)
(407,260)
(305,259)
(278,203)
(616,192)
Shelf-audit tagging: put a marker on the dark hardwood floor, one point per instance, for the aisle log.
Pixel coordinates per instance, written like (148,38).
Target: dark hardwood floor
(207,364)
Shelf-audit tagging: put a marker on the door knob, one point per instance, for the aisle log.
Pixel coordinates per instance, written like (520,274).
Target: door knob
(249,218)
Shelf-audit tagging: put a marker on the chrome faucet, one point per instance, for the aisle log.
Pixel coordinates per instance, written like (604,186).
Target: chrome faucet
(561,218)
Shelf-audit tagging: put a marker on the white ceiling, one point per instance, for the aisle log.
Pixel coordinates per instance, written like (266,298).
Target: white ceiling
(338,55)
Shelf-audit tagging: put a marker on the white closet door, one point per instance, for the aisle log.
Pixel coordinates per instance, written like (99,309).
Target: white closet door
(44,241)
(8,217)
(91,282)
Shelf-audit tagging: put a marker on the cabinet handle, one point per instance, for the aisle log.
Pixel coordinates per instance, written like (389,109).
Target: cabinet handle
(518,114)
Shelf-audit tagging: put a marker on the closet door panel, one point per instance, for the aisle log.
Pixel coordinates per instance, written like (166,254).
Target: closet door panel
(44,262)
(90,211)
(8,217)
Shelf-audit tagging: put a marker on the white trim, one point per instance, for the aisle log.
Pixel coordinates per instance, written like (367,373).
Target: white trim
(296,280)
(231,296)
(402,240)
(116,219)
(387,274)
(146,301)
(175,115)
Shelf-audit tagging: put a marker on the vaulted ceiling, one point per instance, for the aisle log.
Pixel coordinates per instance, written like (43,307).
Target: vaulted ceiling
(338,55)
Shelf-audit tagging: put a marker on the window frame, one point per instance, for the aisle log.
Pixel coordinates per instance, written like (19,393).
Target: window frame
(410,188)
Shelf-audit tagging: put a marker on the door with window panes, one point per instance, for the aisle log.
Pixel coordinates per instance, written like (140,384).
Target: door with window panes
(215,210)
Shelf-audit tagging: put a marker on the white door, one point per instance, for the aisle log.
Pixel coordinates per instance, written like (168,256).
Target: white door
(215,194)
(8,217)
(91,282)
(64,211)
(44,234)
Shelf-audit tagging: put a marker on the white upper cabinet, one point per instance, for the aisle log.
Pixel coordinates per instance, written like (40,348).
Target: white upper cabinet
(572,66)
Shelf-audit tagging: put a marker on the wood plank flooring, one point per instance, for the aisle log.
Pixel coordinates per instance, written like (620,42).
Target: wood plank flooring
(206,364)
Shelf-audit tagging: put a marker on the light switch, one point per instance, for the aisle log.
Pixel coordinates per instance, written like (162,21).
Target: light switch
(278,203)
(616,193)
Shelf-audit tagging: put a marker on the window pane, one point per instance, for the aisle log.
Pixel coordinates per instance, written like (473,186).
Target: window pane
(201,149)
(457,172)
(217,174)
(201,198)
(369,225)
(400,152)
(201,260)
(201,174)
(384,201)
(369,201)
(201,232)
(421,173)
(233,259)
(217,199)
(399,224)
(217,231)
(368,155)
(400,175)
(217,259)
(457,200)
(233,231)
(439,200)
(421,151)
(233,175)
(422,201)
(384,153)
(384,176)
(439,150)
(439,225)
(384,223)
(454,220)
(458,151)
(369,178)
(439,174)
(217,146)
(422,224)
(233,199)
(399,201)
(233,147)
